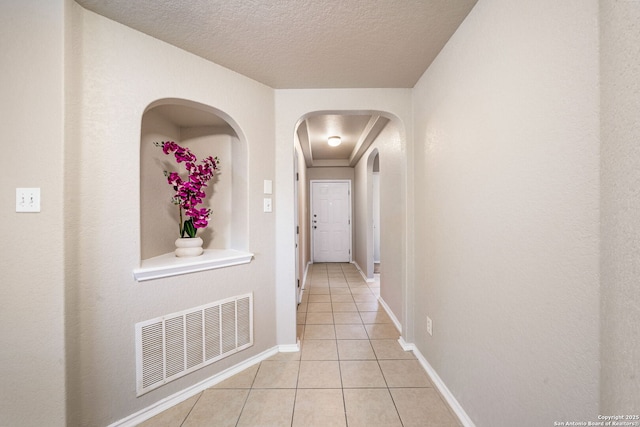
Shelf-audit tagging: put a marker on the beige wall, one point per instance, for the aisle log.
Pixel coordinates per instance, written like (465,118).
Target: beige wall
(304,238)
(620,230)
(32,355)
(393,215)
(363,214)
(155,213)
(122,72)
(345,173)
(507,210)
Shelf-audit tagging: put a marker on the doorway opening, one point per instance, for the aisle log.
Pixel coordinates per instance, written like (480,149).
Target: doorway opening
(376,239)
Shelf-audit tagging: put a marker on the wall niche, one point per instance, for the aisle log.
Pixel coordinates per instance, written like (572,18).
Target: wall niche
(206,131)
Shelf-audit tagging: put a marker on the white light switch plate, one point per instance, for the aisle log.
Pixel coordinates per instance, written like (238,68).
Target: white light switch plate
(268,186)
(27,199)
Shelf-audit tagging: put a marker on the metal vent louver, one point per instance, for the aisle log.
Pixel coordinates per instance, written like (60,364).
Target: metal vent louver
(174,345)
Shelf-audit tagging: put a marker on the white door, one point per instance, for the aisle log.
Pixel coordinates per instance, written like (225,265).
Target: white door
(331,221)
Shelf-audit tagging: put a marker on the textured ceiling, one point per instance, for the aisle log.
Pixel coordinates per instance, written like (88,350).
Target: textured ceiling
(302,43)
(291,44)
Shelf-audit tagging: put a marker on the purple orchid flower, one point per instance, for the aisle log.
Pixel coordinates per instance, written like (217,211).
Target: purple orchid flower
(190,193)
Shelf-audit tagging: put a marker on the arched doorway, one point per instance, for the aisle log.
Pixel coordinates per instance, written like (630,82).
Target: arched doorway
(290,128)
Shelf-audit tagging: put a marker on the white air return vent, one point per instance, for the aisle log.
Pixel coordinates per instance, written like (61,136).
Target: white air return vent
(179,343)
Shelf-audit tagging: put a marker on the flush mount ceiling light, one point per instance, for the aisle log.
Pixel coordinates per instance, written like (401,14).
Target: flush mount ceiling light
(334,141)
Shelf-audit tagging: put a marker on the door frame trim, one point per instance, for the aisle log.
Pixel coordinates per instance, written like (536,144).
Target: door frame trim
(312,235)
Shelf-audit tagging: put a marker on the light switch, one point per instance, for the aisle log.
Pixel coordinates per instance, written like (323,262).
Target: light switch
(27,199)
(268,186)
(267,204)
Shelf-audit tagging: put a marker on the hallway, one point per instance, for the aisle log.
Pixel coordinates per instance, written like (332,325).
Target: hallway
(351,370)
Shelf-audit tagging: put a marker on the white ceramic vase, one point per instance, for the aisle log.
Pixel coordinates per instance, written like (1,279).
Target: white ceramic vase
(188,246)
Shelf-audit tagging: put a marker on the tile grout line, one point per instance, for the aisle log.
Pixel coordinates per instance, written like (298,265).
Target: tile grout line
(295,393)
(344,400)
(191,410)
(246,399)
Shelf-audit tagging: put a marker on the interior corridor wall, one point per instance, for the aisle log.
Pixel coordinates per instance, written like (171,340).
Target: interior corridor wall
(32,107)
(620,204)
(362,217)
(304,240)
(393,220)
(507,211)
(122,72)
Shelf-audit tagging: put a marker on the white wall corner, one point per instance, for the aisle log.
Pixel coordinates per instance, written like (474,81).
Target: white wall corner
(303,286)
(289,348)
(304,277)
(440,385)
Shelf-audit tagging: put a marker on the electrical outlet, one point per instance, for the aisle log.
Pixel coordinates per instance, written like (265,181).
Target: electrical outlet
(429,326)
(268,206)
(27,199)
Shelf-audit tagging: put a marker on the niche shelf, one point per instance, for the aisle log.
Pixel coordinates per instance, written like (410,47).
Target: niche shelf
(168,265)
(206,131)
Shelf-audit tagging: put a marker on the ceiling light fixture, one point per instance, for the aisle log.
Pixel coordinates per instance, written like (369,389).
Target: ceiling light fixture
(334,141)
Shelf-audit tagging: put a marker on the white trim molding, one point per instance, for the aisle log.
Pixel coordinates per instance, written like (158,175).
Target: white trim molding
(168,265)
(440,385)
(364,276)
(289,348)
(393,317)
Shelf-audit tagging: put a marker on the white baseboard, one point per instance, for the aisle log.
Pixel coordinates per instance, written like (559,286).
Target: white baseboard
(166,403)
(440,385)
(393,317)
(364,276)
(406,346)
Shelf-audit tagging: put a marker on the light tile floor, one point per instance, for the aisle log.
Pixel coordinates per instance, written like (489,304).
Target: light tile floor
(351,370)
